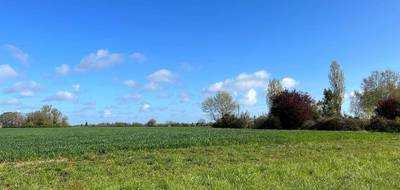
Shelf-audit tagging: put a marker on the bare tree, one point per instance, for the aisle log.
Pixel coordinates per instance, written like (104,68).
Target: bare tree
(12,119)
(219,105)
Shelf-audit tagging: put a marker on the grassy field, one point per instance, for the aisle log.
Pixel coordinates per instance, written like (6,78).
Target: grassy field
(197,158)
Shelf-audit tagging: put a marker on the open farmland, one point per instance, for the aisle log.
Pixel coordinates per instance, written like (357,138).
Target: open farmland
(197,158)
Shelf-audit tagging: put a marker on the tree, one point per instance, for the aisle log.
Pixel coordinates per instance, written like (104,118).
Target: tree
(388,108)
(151,123)
(219,105)
(292,108)
(12,119)
(378,86)
(47,116)
(336,80)
(326,106)
(274,88)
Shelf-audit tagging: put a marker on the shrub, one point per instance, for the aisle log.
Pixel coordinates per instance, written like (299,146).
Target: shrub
(151,123)
(339,124)
(230,121)
(267,122)
(292,108)
(309,125)
(383,125)
(388,108)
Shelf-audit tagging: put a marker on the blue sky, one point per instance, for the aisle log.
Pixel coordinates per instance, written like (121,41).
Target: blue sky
(105,61)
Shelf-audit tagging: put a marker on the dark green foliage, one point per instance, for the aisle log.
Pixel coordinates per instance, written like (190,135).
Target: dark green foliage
(231,121)
(151,123)
(339,124)
(383,125)
(267,122)
(388,108)
(292,108)
(327,107)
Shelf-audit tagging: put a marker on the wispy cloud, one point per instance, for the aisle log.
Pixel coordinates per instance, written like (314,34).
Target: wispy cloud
(76,87)
(138,57)
(6,71)
(159,78)
(130,98)
(102,58)
(130,83)
(185,97)
(63,70)
(11,102)
(162,75)
(25,89)
(106,113)
(18,54)
(62,96)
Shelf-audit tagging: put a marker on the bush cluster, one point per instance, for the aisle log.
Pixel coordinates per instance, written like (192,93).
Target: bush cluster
(232,121)
(381,124)
(388,108)
(296,110)
(292,108)
(267,122)
(337,124)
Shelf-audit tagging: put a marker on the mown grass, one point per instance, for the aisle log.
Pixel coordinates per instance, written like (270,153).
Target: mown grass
(202,158)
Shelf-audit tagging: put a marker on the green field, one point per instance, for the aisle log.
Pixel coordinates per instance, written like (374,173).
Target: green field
(197,158)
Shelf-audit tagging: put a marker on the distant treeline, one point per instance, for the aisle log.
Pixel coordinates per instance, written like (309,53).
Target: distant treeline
(376,107)
(150,123)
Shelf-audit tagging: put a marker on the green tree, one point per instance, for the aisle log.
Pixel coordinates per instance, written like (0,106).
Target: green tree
(378,86)
(151,123)
(219,105)
(326,106)
(47,116)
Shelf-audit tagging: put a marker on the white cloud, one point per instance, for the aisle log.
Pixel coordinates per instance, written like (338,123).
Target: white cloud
(62,96)
(152,86)
(76,87)
(27,93)
(25,89)
(145,107)
(138,57)
(63,69)
(349,95)
(18,54)
(243,82)
(289,83)
(6,71)
(250,98)
(98,60)
(106,113)
(11,102)
(159,78)
(185,97)
(130,83)
(162,75)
